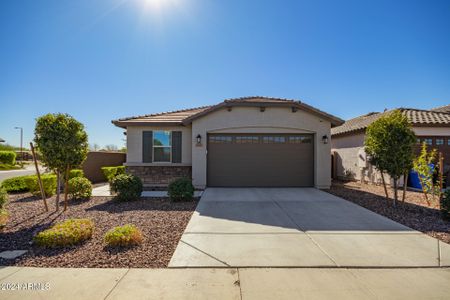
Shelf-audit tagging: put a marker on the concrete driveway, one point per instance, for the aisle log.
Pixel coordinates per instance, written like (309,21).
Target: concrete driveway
(298,227)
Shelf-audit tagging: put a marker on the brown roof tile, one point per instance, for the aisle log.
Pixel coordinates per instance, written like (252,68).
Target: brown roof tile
(444,109)
(417,117)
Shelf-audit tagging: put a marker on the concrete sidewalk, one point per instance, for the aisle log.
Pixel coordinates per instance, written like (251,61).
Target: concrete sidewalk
(224,283)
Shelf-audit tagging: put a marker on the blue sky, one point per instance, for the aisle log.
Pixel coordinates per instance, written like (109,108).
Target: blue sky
(101,60)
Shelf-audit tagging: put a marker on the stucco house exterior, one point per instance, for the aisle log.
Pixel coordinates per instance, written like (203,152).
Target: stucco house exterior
(347,142)
(249,141)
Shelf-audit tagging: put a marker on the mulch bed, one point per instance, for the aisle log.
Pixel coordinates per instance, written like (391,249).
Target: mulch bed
(161,221)
(414,213)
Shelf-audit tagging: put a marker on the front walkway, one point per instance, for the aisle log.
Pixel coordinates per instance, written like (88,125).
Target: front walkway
(104,191)
(298,227)
(223,283)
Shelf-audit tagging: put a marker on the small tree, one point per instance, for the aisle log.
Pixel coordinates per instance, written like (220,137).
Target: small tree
(389,144)
(424,165)
(63,144)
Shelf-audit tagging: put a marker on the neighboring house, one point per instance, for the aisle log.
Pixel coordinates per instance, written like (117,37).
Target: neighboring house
(249,141)
(347,142)
(444,109)
(2,140)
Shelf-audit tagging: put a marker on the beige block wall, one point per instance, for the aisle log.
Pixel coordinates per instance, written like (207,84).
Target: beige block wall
(134,145)
(252,120)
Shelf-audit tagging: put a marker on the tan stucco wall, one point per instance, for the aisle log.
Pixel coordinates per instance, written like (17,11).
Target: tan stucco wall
(252,120)
(432,131)
(134,145)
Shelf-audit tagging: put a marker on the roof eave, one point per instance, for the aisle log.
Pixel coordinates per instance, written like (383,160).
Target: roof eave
(125,124)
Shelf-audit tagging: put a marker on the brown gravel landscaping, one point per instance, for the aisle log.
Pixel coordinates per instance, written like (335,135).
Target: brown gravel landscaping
(414,213)
(161,221)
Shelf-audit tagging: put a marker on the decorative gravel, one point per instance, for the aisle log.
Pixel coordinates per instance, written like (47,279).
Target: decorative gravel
(161,221)
(414,213)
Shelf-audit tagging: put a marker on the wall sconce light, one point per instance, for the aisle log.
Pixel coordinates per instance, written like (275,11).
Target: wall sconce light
(199,139)
(325,139)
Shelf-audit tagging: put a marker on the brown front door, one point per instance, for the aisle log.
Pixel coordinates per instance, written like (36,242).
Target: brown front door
(260,160)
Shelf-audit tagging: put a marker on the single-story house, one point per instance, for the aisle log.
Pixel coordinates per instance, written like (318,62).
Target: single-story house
(241,142)
(347,142)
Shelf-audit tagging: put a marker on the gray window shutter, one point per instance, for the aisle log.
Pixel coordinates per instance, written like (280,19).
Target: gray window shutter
(147,146)
(176,146)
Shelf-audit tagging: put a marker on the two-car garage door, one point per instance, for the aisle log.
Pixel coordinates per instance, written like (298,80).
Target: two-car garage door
(268,160)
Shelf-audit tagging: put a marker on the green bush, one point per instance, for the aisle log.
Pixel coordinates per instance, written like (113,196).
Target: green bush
(16,184)
(7,157)
(67,233)
(445,205)
(80,188)
(123,236)
(128,187)
(48,181)
(111,172)
(6,167)
(3,198)
(181,189)
(76,173)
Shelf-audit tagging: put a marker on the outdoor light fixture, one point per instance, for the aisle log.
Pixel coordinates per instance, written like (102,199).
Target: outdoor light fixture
(325,139)
(199,139)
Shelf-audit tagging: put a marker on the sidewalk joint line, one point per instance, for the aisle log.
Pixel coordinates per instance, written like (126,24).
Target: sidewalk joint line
(19,269)
(207,254)
(118,281)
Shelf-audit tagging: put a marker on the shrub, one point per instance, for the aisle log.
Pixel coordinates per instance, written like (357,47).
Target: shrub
(76,173)
(48,181)
(3,198)
(6,167)
(445,205)
(111,172)
(67,233)
(3,212)
(181,189)
(123,236)
(16,184)
(80,188)
(127,187)
(8,157)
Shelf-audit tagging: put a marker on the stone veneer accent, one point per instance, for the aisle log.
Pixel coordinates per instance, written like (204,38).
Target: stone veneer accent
(159,175)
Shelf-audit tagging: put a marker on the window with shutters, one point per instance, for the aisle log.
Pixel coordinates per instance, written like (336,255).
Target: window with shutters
(162,146)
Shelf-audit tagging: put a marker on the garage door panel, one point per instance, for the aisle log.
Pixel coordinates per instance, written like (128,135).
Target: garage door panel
(284,160)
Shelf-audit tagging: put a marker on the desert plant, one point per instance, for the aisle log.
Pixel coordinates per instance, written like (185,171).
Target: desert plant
(425,165)
(127,187)
(76,173)
(67,233)
(3,198)
(48,183)
(123,236)
(8,157)
(16,184)
(80,188)
(111,172)
(63,145)
(389,145)
(4,217)
(445,205)
(181,189)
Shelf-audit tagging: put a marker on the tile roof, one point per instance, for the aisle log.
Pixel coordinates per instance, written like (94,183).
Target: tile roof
(170,117)
(187,115)
(417,117)
(445,109)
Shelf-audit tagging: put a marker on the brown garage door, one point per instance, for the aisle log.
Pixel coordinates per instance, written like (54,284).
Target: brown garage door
(260,160)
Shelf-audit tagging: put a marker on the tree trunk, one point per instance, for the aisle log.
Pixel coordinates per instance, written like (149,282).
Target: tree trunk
(384,185)
(424,191)
(66,186)
(395,192)
(58,189)
(405,182)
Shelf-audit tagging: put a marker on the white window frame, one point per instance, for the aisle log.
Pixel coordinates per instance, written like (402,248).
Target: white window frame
(157,146)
